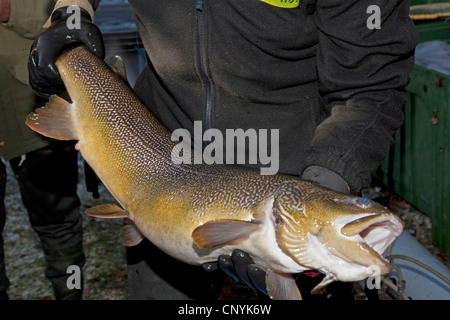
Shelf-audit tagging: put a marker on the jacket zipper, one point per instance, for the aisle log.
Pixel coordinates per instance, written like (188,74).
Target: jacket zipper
(203,74)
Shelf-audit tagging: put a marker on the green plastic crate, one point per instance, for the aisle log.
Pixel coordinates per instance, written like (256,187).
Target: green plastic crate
(418,165)
(415,2)
(434,30)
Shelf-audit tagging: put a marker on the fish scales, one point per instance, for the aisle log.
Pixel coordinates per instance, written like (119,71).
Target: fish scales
(125,147)
(196,212)
(146,162)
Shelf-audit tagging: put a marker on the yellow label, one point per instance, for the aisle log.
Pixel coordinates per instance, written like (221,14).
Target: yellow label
(283,3)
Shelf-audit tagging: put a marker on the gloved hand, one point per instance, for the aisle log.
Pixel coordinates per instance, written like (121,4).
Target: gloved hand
(325,178)
(43,74)
(240,267)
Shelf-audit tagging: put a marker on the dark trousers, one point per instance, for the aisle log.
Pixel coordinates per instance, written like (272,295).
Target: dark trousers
(48,184)
(154,275)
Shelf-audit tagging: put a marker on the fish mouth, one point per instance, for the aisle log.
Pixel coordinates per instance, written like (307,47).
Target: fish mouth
(358,243)
(341,242)
(356,247)
(378,231)
(346,248)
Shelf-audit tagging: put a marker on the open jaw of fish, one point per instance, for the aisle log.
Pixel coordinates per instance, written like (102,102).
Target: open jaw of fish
(346,246)
(197,212)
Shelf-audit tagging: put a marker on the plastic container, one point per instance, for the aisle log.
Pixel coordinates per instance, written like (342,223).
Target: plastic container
(418,165)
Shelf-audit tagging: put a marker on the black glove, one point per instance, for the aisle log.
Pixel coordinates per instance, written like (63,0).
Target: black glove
(326,178)
(43,74)
(240,267)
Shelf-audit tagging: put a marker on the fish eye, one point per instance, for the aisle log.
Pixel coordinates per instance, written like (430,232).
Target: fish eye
(364,202)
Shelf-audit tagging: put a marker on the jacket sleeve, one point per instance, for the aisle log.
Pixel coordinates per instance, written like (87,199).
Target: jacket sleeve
(28,16)
(362,73)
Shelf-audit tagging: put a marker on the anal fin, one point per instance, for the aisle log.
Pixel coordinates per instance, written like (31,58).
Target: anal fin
(131,235)
(107,211)
(223,232)
(54,120)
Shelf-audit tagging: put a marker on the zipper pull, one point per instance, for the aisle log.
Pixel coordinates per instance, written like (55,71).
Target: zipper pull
(199,5)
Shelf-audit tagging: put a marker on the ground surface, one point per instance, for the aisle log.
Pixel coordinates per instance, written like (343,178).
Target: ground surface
(105,269)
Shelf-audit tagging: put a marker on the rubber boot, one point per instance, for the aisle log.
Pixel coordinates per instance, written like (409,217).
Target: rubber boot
(48,183)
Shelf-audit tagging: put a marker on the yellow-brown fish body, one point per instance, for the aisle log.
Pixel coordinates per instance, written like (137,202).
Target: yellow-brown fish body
(197,212)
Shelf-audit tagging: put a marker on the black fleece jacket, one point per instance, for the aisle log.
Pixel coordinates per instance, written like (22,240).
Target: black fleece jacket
(330,84)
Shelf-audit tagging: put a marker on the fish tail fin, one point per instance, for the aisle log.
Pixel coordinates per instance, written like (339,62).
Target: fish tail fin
(54,120)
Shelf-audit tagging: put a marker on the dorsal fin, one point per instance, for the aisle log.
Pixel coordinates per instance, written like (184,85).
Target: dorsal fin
(117,65)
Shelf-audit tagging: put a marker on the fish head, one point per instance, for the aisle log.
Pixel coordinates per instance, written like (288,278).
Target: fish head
(341,235)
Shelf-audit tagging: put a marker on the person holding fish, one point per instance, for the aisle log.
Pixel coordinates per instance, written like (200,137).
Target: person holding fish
(322,73)
(46,169)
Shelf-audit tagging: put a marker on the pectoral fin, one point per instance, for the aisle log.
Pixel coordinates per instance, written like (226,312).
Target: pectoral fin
(223,232)
(131,235)
(54,120)
(282,286)
(107,211)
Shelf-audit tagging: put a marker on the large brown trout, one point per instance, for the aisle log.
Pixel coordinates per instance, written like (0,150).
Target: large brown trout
(196,212)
